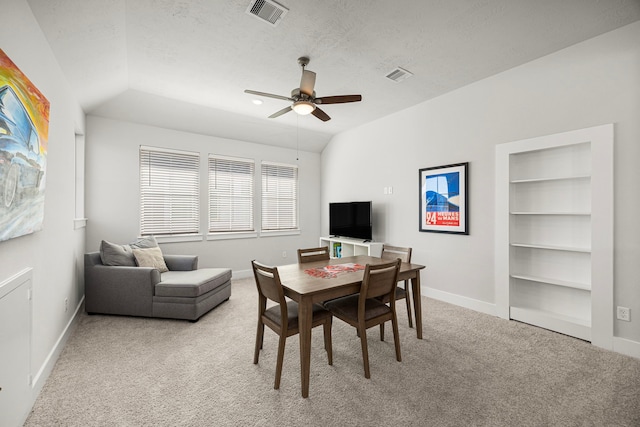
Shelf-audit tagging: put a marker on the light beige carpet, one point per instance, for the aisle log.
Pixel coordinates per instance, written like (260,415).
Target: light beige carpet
(470,370)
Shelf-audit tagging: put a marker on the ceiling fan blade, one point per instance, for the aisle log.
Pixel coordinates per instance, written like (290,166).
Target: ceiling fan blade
(281,112)
(340,99)
(268,95)
(307,82)
(321,114)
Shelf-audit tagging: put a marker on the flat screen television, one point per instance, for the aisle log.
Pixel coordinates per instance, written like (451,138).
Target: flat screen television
(350,219)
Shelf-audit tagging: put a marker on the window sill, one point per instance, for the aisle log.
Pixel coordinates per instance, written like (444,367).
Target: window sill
(79,223)
(234,235)
(177,238)
(279,233)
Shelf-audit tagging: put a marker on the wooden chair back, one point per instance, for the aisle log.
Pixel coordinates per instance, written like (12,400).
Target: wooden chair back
(380,280)
(313,254)
(393,252)
(268,282)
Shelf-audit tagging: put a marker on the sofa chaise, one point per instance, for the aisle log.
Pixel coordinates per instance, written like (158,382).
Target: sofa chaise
(181,292)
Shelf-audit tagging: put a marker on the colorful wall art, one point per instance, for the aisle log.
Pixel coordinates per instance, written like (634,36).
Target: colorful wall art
(24,129)
(443,199)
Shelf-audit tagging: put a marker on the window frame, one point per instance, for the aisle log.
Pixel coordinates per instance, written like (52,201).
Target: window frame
(181,203)
(267,166)
(233,232)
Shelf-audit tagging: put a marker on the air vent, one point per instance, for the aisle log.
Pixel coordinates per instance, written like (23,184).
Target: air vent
(399,74)
(267,11)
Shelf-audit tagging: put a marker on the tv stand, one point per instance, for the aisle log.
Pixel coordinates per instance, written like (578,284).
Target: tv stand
(343,247)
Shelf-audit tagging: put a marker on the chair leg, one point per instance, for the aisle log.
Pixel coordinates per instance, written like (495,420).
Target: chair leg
(281,343)
(381,331)
(408,300)
(396,337)
(327,340)
(259,340)
(365,352)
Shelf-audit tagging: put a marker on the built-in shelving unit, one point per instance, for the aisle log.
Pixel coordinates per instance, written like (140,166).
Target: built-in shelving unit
(343,247)
(554,210)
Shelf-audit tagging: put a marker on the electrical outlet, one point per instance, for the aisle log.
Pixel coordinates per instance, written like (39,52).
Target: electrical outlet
(284,254)
(66,305)
(624,313)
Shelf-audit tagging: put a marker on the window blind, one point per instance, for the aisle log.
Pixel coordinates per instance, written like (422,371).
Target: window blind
(169,191)
(279,196)
(230,194)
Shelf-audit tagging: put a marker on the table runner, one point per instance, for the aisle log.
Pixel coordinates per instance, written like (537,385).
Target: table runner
(332,271)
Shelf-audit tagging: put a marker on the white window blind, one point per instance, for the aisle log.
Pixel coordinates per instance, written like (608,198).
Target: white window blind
(169,191)
(279,196)
(230,194)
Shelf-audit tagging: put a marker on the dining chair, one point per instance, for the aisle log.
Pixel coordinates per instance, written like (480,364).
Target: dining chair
(270,288)
(313,254)
(364,310)
(392,252)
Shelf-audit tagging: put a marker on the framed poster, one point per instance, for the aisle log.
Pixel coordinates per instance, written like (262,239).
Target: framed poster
(443,199)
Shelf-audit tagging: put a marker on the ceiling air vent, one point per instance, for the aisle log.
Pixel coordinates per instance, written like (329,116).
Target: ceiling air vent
(267,11)
(399,74)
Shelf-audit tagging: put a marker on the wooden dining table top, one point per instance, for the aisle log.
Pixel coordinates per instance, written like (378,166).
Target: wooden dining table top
(297,281)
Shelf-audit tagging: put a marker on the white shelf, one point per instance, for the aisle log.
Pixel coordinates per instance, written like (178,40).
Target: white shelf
(552,213)
(559,178)
(550,281)
(351,247)
(551,247)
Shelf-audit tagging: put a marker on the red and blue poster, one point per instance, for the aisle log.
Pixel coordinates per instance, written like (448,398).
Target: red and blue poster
(443,199)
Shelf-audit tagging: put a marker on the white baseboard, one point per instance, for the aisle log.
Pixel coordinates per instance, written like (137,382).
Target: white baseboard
(626,347)
(470,303)
(45,370)
(242,274)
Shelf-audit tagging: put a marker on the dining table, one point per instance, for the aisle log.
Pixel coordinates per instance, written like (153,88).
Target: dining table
(319,281)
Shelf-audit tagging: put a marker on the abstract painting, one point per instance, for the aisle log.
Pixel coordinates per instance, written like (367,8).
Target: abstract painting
(24,129)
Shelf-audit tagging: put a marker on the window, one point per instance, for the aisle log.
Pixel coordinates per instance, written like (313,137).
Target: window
(279,197)
(169,191)
(230,194)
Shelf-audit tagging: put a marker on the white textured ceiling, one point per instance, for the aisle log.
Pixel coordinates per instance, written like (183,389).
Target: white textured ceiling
(184,64)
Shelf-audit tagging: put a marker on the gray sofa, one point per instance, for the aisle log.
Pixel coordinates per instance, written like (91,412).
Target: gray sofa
(183,292)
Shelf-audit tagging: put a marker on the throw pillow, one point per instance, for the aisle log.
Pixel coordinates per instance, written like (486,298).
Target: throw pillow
(150,257)
(144,242)
(122,255)
(117,255)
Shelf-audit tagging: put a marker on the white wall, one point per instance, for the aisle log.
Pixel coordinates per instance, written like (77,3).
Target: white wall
(55,253)
(591,83)
(112,183)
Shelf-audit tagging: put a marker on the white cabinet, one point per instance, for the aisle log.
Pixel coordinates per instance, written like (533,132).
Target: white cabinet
(15,345)
(554,234)
(343,247)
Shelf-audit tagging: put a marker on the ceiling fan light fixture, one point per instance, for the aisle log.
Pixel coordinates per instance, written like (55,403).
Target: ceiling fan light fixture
(303,107)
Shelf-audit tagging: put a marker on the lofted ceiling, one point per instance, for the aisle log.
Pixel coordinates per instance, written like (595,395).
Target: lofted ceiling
(184,64)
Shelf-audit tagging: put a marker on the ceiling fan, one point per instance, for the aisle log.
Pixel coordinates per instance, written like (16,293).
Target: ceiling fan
(304,98)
